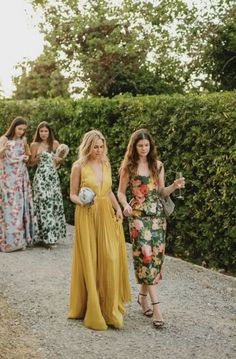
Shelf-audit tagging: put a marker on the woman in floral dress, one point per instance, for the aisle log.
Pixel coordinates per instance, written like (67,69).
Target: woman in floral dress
(144,174)
(49,219)
(16,210)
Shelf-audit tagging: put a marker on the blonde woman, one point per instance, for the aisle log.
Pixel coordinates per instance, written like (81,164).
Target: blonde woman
(99,279)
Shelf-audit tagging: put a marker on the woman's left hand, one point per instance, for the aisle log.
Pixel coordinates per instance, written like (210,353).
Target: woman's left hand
(57,160)
(119,214)
(179,183)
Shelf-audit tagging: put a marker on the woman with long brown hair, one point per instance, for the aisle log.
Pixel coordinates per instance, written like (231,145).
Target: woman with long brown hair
(16,210)
(49,218)
(144,174)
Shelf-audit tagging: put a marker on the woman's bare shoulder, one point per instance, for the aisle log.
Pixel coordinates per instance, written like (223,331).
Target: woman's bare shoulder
(75,169)
(76,165)
(3,139)
(34,144)
(55,144)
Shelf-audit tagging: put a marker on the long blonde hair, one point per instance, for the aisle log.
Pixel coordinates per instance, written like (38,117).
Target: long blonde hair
(87,144)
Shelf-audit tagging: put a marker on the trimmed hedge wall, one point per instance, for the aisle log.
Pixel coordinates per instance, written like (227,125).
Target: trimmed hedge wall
(193,133)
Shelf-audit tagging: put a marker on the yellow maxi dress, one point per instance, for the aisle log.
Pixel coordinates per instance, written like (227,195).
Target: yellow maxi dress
(99,278)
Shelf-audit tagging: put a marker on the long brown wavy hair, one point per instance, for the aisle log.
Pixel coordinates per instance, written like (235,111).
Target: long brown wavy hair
(16,122)
(51,136)
(130,162)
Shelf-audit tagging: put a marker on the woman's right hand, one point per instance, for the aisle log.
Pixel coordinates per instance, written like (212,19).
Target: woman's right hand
(77,201)
(36,159)
(127,210)
(7,146)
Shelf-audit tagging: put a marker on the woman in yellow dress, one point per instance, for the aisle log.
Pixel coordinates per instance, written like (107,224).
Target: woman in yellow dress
(99,279)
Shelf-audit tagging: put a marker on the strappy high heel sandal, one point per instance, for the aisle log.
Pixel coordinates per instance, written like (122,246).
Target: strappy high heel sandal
(148,312)
(158,324)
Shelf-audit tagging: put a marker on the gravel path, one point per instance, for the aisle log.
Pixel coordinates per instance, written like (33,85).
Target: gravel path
(198,305)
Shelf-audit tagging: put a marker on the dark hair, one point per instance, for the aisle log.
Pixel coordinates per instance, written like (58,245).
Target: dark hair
(51,136)
(16,122)
(130,162)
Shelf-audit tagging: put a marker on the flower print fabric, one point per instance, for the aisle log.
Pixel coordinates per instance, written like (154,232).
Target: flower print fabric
(49,219)
(147,230)
(16,209)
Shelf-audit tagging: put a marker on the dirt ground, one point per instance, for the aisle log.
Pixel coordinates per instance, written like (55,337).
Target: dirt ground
(198,306)
(15,338)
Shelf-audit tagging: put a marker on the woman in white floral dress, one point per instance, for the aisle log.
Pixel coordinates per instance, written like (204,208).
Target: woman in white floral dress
(144,174)
(16,207)
(49,218)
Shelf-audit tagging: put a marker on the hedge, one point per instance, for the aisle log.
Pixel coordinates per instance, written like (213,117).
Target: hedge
(193,133)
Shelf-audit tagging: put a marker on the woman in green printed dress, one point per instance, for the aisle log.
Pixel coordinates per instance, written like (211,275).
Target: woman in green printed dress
(49,218)
(144,174)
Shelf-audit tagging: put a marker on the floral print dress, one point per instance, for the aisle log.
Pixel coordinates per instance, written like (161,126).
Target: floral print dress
(16,208)
(49,219)
(147,230)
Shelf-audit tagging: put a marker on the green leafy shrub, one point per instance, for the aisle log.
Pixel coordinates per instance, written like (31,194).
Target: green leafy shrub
(193,133)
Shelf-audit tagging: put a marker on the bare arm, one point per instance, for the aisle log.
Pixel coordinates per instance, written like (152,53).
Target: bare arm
(115,205)
(75,183)
(26,146)
(3,145)
(55,145)
(123,184)
(166,191)
(34,157)
(56,159)
(26,150)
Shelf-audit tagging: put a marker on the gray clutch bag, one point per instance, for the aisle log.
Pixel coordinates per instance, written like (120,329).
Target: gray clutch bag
(168,205)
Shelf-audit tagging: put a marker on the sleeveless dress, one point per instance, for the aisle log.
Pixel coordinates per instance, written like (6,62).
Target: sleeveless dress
(16,208)
(99,279)
(49,218)
(147,227)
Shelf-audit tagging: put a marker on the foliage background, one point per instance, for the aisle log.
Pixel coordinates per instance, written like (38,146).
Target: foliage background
(138,46)
(193,133)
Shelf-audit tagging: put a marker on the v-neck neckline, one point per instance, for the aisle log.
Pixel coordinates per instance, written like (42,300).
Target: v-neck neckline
(98,184)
